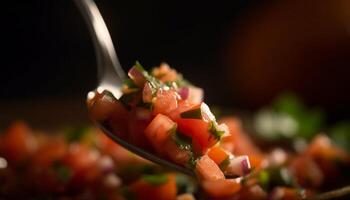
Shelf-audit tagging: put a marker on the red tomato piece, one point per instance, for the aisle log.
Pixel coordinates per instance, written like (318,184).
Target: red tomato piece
(159,130)
(208,170)
(221,188)
(146,191)
(17,143)
(165,101)
(198,130)
(217,154)
(179,156)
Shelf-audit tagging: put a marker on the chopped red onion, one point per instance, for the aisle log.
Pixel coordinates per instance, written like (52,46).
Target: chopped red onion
(106,164)
(195,95)
(238,166)
(184,92)
(137,76)
(147,93)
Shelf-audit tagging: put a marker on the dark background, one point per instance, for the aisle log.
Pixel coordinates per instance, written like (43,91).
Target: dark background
(243,53)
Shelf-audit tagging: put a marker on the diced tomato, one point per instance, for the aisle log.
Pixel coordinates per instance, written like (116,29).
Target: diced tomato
(328,157)
(83,166)
(252,193)
(221,188)
(164,73)
(177,155)
(52,151)
(182,107)
(198,130)
(101,106)
(306,172)
(165,101)
(185,196)
(159,130)
(137,123)
(42,172)
(137,76)
(243,145)
(122,156)
(118,120)
(208,170)
(146,191)
(217,154)
(18,143)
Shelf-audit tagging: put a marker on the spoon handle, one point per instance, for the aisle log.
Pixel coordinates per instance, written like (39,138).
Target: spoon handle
(110,71)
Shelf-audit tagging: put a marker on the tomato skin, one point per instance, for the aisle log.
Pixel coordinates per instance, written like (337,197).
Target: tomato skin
(159,130)
(118,120)
(198,130)
(145,191)
(221,188)
(165,101)
(208,170)
(177,155)
(328,157)
(307,172)
(164,73)
(41,168)
(217,154)
(137,123)
(102,105)
(183,106)
(18,143)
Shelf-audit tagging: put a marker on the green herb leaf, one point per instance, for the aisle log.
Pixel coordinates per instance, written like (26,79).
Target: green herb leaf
(192,114)
(223,165)
(182,141)
(214,131)
(130,83)
(156,179)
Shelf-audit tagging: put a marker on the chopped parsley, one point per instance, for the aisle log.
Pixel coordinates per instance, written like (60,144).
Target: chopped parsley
(192,114)
(214,131)
(223,165)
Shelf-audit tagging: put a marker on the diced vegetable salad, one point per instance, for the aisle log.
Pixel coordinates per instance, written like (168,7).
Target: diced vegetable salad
(163,113)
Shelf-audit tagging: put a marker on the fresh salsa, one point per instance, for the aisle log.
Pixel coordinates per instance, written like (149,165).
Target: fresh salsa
(162,112)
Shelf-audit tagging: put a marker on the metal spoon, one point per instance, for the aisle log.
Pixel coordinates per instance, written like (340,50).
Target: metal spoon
(111,76)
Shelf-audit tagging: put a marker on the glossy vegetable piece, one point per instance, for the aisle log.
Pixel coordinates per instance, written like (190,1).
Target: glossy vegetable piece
(208,170)
(175,153)
(218,155)
(18,143)
(102,105)
(164,73)
(198,130)
(238,166)
(165,101)
(143,189)
(307,173)
(221,188)
(157,132)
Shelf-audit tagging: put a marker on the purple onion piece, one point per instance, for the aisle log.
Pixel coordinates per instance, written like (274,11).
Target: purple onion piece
(137,76)
(184,92)
(106,164)
(245,164)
